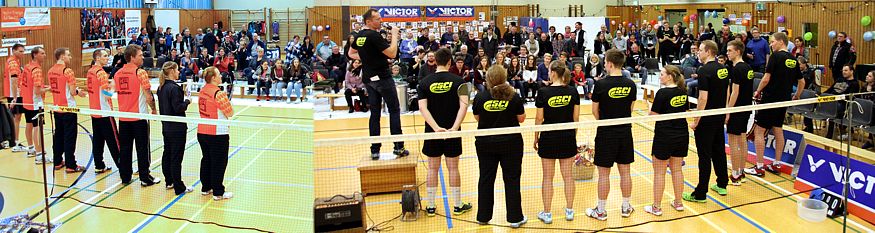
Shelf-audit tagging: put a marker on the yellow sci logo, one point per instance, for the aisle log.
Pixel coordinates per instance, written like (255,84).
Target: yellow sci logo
(750,74)
(619,92)
(678,101)
(559,101)
(790,63)
(438,88)
(495,105)
(360,41)
(723,73)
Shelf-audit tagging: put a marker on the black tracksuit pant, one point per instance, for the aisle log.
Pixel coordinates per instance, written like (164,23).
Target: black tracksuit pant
(214,162)
(105,133)
(171,160)
(130,132)
(508,155)
(711,150)
(64,140)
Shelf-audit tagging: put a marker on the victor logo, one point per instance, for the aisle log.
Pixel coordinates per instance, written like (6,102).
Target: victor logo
(438,88)
(495,105)
(750,74)
(722,73)
(856,179)
(815,165)
(360,41)
(619,92)
(790,63)
(559,101)
(678,101)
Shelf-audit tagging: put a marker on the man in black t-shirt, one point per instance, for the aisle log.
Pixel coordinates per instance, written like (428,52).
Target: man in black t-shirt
(708,130)
(613,97)
(782,71)
(741,95)
(375,52)
(443,110)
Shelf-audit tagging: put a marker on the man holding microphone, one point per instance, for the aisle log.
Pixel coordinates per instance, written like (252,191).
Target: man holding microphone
(374,52)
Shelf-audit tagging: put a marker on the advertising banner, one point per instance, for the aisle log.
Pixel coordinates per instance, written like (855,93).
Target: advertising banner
(450,13)
(23,19)
(824,169)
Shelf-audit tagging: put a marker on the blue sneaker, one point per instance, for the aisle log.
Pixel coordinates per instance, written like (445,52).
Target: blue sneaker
(545,217)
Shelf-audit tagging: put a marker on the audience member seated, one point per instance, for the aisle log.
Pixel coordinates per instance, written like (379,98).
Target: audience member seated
(353,85)
(279,79)
(337,64)
(849,86)
(635,63)
(478,77)
(594,71)
(515,75)
(262,74)
(297,80)
(530,77)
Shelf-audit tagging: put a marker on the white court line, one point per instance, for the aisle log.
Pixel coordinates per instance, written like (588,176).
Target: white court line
(686,207)
(232,181)
(171,200)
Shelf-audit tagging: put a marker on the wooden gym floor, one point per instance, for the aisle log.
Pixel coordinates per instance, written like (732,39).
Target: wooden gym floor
(336,174)
(268,195)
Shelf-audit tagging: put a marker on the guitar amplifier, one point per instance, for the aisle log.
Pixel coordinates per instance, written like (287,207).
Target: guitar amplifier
(340,214)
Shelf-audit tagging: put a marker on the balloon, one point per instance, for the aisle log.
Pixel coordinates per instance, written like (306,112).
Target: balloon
(531,23)
(714,13)
(327,27)
(832,34)
(313,28)
(725,20)
(745,22)
(781,19)
(808,36)
(653,22)
(631,24)
(659,18)
(866,20)
(319,28)
(613,22)
(624,23)
(687,19)
(694,17)
(868,36)
(707,14)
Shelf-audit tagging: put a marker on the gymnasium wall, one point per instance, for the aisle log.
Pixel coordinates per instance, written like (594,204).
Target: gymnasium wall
(261,4)
(333,15)
(65,32)
(548,8)
(846,20)
(164,4)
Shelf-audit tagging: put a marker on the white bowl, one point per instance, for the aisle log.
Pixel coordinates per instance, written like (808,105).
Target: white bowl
(812,210)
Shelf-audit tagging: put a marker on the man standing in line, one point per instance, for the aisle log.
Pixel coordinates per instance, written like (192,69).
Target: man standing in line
(134,94)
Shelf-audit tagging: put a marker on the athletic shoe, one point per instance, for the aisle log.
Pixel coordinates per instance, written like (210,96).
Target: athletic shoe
(59,167)
(774,169)
(689,197)
(19,148)
(101,171)
(719,190)
(569,214)
(208,192)
(155,180)
(596,214)
(375,156)
(547,218)
(655,210)
(458,210)
(31,153)
(756,171)
(520,223)
(430,211)
(227,195)
(626,211)
(401,152)
(187,190)
(679,206)
(39,159)
(76,169)
(168,186)
(737,180)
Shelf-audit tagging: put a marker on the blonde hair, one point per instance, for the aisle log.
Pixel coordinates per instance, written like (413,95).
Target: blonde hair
(496,81)
(210,73)
(561,71)
(676,76)
(165,71)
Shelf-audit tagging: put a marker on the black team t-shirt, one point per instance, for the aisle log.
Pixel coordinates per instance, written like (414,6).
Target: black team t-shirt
(671,100)
(742,75)
(441,91)
(558,103)
(714,78)
(370,45)
(785,72)
(615,95)
(496,113)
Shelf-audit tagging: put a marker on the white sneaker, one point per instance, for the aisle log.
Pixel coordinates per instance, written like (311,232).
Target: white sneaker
(844,137)
(19,148)
(155,180)
(227,195)
(569,214)
(653,210)
(31,153)
(545,217)
(518,224)
(39,159)
(207,193)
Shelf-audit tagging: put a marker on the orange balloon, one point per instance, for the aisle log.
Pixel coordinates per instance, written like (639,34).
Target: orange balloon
(687,18)
(745,22)
(613,22)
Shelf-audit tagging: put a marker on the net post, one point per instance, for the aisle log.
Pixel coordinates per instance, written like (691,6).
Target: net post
(39,120)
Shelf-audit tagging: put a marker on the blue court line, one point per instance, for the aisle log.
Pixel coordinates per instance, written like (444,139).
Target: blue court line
(166,207)
(446,200)
(712,198)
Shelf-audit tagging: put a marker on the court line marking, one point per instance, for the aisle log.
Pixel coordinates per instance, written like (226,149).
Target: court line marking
(170,203)
(246,212)
(205,205)
(446,200)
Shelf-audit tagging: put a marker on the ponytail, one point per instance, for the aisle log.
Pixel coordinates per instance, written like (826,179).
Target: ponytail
(676,76)
(562,72)
(496,80)
(165,70)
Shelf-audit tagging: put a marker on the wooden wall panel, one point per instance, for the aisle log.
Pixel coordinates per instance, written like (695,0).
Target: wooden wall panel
(796,16)
(194,19)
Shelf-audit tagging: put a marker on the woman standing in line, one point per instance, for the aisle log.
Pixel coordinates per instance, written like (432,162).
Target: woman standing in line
(670,139)
(173,101)
(213,139)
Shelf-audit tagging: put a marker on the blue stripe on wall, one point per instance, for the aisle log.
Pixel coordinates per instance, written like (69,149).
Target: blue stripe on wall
(166,4)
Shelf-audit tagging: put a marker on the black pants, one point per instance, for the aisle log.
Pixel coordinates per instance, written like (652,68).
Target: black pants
(130,132)
(379,91)
(214,162)
(710,143)
(665,57)
(171,160)
(533,88)
(650,53)
(510,157)
(64,140)
(105,133)
(359,92)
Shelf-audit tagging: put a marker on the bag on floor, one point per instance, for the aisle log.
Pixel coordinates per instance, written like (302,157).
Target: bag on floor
(583,168)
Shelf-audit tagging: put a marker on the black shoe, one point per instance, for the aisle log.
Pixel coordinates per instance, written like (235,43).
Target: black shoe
(430,211)
(375,156)
(401,152)
(867,145)
(154,181)
(351,110)
(458,210)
